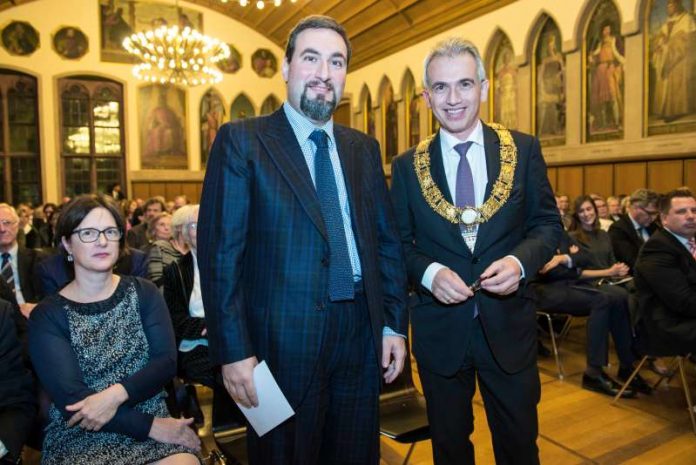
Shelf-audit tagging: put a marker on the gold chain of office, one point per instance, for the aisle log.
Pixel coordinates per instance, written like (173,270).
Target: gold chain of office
(469,215)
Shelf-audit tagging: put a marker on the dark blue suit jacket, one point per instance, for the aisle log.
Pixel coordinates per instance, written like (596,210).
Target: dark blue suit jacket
(527,226)
(264,253)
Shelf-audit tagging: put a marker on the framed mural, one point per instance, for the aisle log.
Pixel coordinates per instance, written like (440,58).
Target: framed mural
(20,38)
(504,85)
(231,64)
(549,86)
(121,18)
(269,105)
(212,115)
(70,42)
(412,103)
(368,114)
(162,113)
(390,130)
(241,108)
(604,74)
(264,63)
(670,46)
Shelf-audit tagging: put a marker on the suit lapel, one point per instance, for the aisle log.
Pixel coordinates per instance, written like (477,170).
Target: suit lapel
(350,166)
(282,146)
(491,146)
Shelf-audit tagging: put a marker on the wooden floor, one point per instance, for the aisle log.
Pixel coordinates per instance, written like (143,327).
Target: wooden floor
(577,426)
(581,427)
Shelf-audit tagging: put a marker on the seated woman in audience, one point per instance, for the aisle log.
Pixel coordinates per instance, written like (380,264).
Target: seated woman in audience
(182,292)
(103,348)
(602,266)
(164,252)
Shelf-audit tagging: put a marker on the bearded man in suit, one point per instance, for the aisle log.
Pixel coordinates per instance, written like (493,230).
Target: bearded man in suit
(301,263)
(477,219)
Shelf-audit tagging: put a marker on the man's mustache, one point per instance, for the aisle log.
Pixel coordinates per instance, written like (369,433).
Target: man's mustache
(317,82)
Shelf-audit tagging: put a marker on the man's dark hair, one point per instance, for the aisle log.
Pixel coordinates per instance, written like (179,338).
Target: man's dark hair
(666,200)
(152,201)
(316,22)
(78,208)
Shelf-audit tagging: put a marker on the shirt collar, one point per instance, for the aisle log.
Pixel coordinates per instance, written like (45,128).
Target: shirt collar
(13,251)
(636,226)
(449,141)
(681,239)
(303,127)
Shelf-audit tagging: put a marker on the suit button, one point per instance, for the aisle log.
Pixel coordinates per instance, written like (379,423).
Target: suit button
(475,260)
(325,261)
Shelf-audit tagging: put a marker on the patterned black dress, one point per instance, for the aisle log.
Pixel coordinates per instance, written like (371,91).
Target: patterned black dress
(79,349)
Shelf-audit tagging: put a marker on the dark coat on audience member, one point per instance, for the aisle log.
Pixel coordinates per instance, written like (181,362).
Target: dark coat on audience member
(26,263)
(665,277)
(625,240)
(136,237)
(53,272)
(17,397)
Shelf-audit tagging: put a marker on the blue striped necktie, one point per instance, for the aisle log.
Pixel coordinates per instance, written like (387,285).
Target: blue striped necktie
(341,285)
(6,268)
(465,195)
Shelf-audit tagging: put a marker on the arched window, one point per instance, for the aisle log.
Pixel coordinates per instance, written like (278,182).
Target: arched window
(212,115)
(20,167)
(603,52)
(241,108)
(367,111)
(92,144)
(412,105)
(269,105)
(390,141)
(549,85)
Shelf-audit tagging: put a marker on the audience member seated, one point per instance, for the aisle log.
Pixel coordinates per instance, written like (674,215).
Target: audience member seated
(562,203)
(630,232)
(17,262)
(614,208)
(54,272)
(17,397)
(111,352)
(559,289)
(602,211)
(47,227)
(182,292)
(666,272)
(180,201)
(128,207)
(163,252)
(137,236)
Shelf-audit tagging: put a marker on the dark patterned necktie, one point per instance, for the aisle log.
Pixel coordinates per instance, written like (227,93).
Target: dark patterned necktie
(692,247)
(341,285)
(464,193)
(7,273)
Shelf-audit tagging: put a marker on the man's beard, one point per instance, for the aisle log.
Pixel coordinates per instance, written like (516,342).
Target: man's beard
(318,109)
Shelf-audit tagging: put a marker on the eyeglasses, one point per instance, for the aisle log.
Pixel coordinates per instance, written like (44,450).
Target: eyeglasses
(193,226)
(8,223)
(652,213)
(88,235)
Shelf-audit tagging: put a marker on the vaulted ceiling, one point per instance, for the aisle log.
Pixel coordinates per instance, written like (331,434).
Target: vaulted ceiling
(376,28)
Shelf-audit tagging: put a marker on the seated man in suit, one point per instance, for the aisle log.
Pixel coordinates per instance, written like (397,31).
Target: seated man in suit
(560,289)
(665,272)
(630,231)
(16,262)
(137,236)
(17,399)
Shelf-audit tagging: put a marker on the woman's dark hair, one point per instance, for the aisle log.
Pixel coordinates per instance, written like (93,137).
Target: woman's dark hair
(78,208)
(576,224)
(135,217)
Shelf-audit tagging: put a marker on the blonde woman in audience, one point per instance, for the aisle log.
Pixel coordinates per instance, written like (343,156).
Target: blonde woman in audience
(103,348)
(163,252)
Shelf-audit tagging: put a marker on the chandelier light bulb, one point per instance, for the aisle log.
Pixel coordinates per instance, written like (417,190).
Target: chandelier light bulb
(260,4)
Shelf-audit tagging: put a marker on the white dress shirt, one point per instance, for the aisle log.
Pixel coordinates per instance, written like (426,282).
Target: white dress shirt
(15,272)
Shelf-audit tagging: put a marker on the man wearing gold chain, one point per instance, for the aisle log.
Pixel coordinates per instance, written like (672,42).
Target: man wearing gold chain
(477,219)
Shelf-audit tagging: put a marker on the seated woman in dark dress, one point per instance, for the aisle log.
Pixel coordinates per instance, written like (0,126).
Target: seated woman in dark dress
(589,237)
(103,348)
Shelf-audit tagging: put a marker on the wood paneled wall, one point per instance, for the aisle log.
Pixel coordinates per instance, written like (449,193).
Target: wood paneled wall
(168,189)
(623,178)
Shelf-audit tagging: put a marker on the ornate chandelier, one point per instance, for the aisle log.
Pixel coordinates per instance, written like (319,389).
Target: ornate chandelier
(260,4)
(170,55)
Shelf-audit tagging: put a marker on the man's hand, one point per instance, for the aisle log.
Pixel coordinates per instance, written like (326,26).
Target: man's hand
(449,288)
(393,354)
(93,412)
(26,309)
(502,277)
(239,381)
(554,262)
